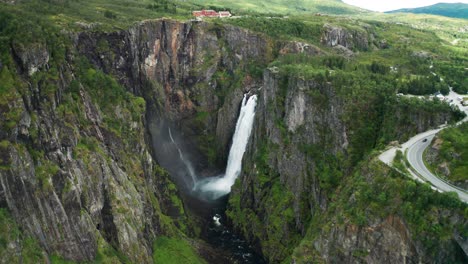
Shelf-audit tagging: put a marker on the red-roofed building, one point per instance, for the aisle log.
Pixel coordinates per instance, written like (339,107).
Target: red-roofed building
(211,13)
(224,14)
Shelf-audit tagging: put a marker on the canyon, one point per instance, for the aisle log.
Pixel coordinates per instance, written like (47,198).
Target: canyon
(96,160)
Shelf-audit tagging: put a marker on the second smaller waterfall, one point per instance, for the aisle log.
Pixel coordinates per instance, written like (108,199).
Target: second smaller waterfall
(187,164)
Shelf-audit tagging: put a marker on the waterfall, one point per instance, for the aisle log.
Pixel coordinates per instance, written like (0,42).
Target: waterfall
(188,165)
(220,186)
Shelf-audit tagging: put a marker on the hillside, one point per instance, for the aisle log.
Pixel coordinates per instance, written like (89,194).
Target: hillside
(456,10)
(285,7)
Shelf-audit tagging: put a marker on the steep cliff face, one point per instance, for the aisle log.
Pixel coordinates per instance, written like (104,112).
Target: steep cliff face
(385,240)
(368,243)
(366,226)
(182,69)
(66,178)
(279,191)
(297,160)
(78,169)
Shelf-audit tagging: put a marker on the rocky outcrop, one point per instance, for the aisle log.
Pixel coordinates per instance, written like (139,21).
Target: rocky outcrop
(422,54)
(370,244)
(384,240)
(9,1)
(333,35)
(295,47)
(32,58)
(343,51)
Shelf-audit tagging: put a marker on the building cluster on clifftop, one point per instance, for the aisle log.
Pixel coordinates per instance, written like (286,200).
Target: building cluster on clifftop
(211,13)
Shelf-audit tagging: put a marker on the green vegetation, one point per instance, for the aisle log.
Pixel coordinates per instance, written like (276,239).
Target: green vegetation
(277,219)
(381,192)
(327,167)
(374,116)
(408,54)
(7,85)
(450,41)
(372,111)
(366,87)
(283,7)
(44,173)
(106,254)
(94,14)
(458,10)
(294,28)
(108,94)
(401,112)
(13,241)
(10,113)
(374,191)
(453,151)
(399,162)
(39,25)
(4,158)
(457,72)
(423,85)
(54,259)
(174,250)
(274,222)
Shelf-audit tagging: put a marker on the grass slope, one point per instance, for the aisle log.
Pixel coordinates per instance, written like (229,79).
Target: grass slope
(173,250)
(98,15)
(457,10)
(284,6)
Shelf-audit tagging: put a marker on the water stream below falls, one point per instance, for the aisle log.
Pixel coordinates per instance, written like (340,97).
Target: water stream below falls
(237,249)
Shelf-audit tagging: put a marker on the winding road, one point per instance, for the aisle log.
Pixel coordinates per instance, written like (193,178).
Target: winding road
(415,159)
(415,148)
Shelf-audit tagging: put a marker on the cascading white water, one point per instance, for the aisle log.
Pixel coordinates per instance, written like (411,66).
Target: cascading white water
(187,163)
(220,186)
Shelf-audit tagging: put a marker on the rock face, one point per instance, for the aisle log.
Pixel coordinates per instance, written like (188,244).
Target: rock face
(32,58)
(187,62)
(67,180)
(64,194)
(78,168)
(80,155)
(300,47)
(391,233)
(333,36)
(309,111)
(296,155)
(387,240)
